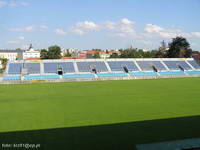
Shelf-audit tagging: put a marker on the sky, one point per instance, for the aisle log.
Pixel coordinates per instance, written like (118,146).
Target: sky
(105,24)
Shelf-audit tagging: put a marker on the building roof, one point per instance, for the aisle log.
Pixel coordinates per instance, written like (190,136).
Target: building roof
(10,51)
(80,57)
(33,58)
(100,52)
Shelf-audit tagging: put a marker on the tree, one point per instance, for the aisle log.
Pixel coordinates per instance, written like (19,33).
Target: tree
(162,51)
(150,54)
(114,55)
(4,62)
(54,52)
(179,47)
(96,55)
(44,54)
(18,49)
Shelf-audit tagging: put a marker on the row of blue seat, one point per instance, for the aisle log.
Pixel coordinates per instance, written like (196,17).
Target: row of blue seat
(100,66)
(90,75)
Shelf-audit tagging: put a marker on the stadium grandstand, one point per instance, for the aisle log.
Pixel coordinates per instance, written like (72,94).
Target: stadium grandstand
(92,69)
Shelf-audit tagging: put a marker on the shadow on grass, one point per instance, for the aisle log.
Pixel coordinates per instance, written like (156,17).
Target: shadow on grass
(122,136)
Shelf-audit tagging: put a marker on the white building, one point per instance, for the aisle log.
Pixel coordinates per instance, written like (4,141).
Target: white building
(31,53)
(11,55)
(1,65)
(72,51)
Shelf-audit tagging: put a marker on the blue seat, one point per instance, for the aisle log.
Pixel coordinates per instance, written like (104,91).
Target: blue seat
(143,74)
(148,65)
(174,65)
(10,78)
(15,68)
(100,66)
(112,74)
(32,67)
(88,75)
(119,65)
(194,64)
(52,67)
(194,72)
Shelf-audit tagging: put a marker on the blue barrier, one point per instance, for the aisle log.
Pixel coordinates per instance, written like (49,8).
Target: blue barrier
(112,74)
(194,72)
(172,73)
(39,77)
(143,74)
(89,75)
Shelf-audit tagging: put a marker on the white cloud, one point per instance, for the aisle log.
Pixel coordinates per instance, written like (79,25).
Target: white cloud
(125,21)
(60,32)
(12,3)
(121,35)
(29,28)
(126,29)
(43,27)
(145,42)
(3,3)
(155,30)
(24,29)
(196,34)
(123,28)
(109,25)
(14,42)
(24,3)
(25,46)
(21,37)
(84,27)
(18,41)
(150,28)
(78,31)
(88,25)
(15,29)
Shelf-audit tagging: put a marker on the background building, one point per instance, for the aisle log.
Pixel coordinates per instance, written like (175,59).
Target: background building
(11,55)
(31,53)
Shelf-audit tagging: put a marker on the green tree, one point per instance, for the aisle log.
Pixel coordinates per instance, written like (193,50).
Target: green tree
(44,54)
(54,52)
(96,55)
(4,62)
(162,51)
(179,47)
(114,55)
(18,49)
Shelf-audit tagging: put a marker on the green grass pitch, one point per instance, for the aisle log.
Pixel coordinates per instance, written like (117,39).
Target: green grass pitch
(100,115)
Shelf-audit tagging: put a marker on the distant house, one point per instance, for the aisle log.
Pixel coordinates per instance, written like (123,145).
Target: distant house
(72,51)
(11,55)
(196,55)
(31,53)
(102,54)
